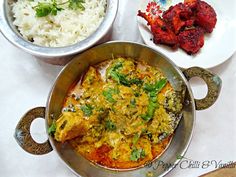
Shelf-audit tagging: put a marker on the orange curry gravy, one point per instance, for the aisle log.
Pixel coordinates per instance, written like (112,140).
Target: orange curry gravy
(101,155)
(121,114)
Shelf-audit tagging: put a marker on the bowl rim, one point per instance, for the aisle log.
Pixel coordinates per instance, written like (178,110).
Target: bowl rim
(52,52)
(179,71)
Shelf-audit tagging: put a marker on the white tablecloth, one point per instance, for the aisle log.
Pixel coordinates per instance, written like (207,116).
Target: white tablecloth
(26,82)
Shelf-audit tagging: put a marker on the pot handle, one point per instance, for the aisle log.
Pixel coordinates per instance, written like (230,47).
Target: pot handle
(23,136)
(213,85)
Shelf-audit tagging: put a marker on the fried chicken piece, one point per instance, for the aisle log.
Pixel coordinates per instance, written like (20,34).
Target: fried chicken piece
(183,24)
(205,16)
(162,34)
(178,16)
(191,40)
(69,126)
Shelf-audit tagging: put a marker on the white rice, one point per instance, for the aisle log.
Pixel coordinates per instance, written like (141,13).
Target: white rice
(66,28)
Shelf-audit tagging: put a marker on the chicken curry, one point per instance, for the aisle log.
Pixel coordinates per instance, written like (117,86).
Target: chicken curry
(121,114)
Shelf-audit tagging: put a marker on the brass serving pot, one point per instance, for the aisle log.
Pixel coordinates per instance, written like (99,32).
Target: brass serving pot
(72,71)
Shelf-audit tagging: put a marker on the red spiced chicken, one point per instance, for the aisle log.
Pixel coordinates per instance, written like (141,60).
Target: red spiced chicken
(182,25)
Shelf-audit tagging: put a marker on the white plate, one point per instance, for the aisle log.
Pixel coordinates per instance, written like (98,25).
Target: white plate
(218,47)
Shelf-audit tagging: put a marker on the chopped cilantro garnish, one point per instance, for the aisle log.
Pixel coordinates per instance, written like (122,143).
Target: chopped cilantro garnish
(137,154)
(44,9)
(118,77)
(155,87)
(114,73)
(135,138)
(52,128)
(110,125)
(118,65)
(136,94)
(108,94)
(150,111)
(152,90)
(136,81)
(123,80)
(87,109)
(76,4)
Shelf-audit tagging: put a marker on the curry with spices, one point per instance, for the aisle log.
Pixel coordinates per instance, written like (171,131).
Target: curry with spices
(121,114)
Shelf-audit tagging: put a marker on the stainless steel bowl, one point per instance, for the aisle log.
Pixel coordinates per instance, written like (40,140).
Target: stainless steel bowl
(178,79)
(51,53)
